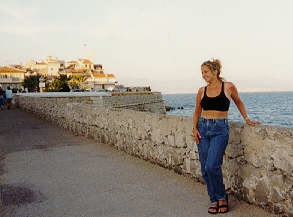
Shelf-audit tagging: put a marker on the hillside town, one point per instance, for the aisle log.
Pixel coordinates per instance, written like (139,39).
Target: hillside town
(80,74)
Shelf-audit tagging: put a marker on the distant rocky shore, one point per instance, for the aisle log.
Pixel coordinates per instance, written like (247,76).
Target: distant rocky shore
(170,108)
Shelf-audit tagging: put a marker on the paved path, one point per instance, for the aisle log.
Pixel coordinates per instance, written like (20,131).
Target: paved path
(47,171)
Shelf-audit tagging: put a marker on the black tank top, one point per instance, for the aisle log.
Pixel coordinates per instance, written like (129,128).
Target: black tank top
(219,103)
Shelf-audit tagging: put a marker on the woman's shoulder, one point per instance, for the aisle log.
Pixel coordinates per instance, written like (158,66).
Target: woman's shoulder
(230,87)
(201,89)
(229,84)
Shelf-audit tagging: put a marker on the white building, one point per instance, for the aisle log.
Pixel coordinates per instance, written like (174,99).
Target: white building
(11,77)
(50,67)
(103,81)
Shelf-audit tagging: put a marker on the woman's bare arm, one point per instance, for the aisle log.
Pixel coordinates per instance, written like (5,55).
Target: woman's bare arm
(198,109)
(197,112)
(240,105)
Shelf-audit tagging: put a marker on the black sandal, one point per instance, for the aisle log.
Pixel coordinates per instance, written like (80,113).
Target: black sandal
(224,206)
(216,208)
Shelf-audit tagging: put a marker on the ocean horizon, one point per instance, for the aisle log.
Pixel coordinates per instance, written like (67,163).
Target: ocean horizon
(273,108)
(269,91)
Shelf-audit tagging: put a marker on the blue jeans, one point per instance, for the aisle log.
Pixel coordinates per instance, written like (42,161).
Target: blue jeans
(211,148)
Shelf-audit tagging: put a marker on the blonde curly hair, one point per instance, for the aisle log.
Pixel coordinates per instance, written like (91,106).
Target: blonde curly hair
(214,65)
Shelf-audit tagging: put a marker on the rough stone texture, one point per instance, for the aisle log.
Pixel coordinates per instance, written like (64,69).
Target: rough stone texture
(148,102)
(258,164)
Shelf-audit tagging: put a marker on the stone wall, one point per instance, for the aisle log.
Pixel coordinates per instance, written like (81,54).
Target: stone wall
(258,164)
(139,101)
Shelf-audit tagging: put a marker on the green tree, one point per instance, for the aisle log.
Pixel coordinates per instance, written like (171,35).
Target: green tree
(60,84)
(54,85)
(31,82)
(76,81)
(64,83)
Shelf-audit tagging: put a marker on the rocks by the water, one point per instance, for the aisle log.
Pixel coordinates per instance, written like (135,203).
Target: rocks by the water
(170,108)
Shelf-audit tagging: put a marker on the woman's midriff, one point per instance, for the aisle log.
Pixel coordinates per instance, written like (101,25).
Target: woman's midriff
(214,114)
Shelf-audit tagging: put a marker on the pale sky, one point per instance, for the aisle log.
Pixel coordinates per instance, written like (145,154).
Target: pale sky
(155,42)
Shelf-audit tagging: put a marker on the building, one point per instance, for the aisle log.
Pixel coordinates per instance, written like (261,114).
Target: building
(50,67)
(84,64)
(94,76)
(99,81)
(87,74)
(13,77)
(37,67)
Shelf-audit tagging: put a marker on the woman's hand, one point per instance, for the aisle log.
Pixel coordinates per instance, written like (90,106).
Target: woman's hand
(252,123)
(196,135)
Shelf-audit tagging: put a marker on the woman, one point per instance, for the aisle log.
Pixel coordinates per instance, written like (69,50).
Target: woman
(211,130)
(9,97)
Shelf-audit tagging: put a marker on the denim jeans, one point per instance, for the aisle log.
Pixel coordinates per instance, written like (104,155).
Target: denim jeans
(211,148)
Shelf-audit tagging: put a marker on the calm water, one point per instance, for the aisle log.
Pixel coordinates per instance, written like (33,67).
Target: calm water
(275,108)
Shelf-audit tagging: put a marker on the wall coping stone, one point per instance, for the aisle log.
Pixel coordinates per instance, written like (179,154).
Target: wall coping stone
(64,94)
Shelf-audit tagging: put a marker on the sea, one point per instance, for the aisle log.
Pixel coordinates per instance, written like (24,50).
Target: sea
(270,108)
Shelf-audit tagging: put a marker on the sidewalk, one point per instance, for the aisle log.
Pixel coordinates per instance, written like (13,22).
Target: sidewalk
(47,171)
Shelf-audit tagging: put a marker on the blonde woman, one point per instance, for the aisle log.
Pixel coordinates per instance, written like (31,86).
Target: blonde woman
(211,130)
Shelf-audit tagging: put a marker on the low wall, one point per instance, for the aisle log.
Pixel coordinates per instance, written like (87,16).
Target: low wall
(139,101)
(258,164)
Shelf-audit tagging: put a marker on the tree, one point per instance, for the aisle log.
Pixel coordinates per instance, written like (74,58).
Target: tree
(31,82)
(64,83)
(76,81)
(59,84)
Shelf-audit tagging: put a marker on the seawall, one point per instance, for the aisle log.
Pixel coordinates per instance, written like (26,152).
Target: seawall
(138,101)
(258,164)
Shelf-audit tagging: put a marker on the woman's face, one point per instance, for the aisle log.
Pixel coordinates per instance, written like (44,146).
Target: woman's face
(207,74)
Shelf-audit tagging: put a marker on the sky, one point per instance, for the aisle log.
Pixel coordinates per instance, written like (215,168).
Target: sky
(157,42)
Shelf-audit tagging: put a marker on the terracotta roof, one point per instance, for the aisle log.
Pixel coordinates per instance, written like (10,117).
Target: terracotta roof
(78,70)
(70,66)
(6,69)
(111,75)
(18,66)
(101,75)
(42,63)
